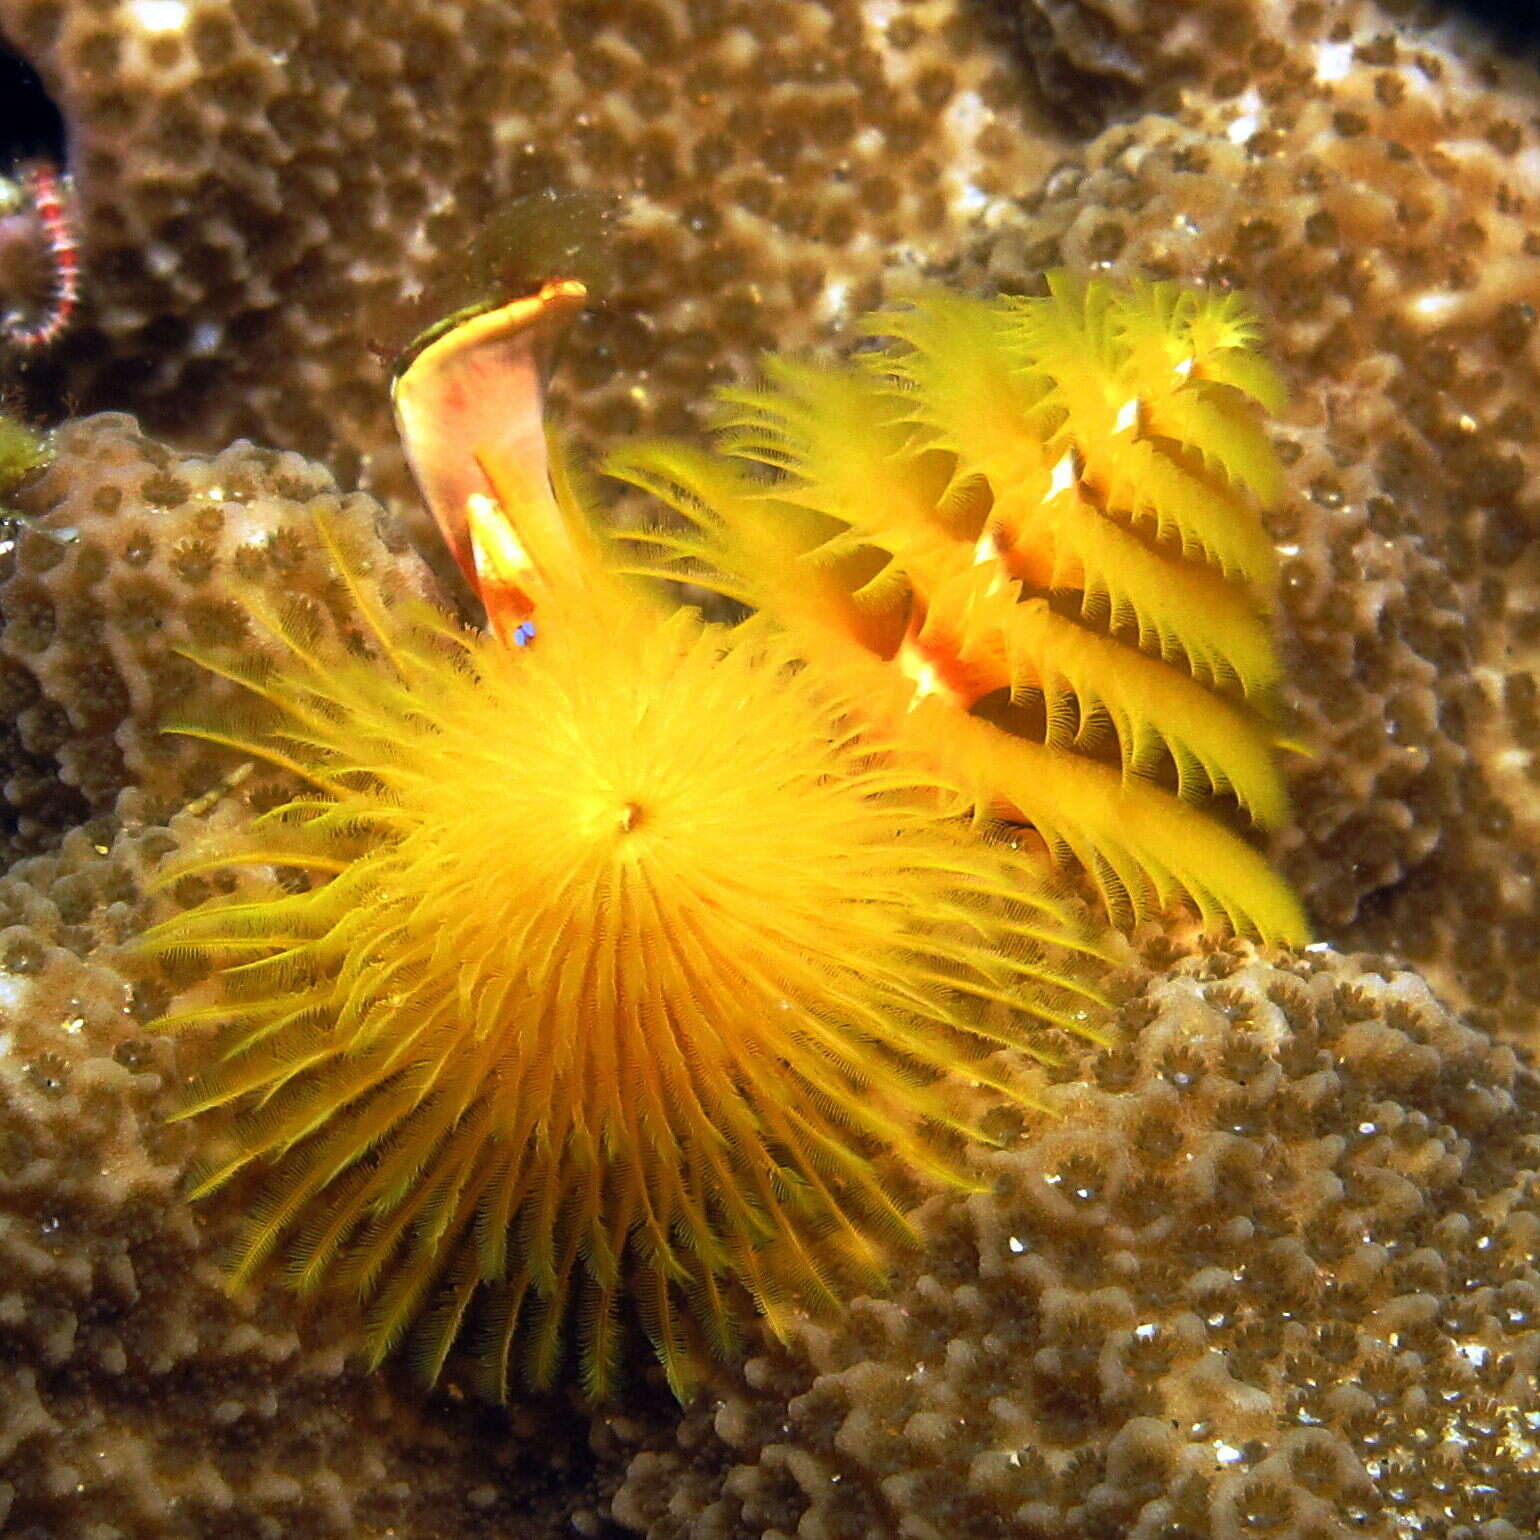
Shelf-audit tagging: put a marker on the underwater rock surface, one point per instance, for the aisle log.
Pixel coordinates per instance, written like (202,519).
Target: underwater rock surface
(1271,1270)
(1367,173)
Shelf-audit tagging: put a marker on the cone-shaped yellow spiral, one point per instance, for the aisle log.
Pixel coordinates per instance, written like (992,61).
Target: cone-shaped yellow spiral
(1028,535)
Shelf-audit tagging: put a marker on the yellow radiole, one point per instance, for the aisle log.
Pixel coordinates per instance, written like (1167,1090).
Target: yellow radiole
(1027,534)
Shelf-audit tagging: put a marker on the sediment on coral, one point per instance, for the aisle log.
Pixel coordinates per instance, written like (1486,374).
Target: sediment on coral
(1270,1269)
(122,551)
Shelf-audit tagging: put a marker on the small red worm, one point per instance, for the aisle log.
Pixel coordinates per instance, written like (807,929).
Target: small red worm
(50,204)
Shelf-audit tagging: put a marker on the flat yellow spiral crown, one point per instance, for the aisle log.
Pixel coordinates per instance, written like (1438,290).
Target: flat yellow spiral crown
(622,965)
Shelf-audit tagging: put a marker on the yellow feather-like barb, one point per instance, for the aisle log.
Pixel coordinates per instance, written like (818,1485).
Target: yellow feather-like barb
(1055,502)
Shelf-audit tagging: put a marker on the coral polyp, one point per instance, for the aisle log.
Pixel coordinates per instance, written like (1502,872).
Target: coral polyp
(621,966)
(1028,535)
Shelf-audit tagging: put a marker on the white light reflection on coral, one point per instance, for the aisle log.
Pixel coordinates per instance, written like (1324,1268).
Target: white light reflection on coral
(1333,61)
(1434,305)
(1243,127)
(160,15)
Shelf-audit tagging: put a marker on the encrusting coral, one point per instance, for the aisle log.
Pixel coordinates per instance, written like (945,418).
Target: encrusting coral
(260,181)
(1270,1271)
(121,551)
(1032,530)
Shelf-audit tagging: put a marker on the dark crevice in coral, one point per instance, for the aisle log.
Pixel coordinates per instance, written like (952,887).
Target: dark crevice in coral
(1087,78)
(31,125)
(1516,23)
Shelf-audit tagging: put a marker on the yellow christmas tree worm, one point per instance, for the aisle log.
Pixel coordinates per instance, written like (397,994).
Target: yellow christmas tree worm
(1026,535)
(605,956)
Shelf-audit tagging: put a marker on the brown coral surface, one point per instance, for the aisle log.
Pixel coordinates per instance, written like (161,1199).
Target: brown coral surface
(125,552)
(263,183)
(1271,1271)
(138,1400)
